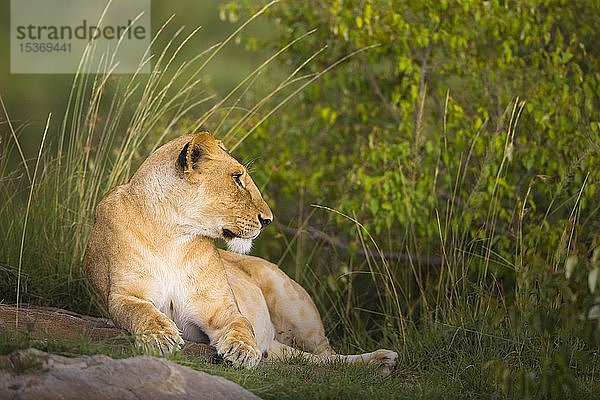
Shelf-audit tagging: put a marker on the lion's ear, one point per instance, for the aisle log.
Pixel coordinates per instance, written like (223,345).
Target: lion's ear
(222,146)
(182,159)
(201,145)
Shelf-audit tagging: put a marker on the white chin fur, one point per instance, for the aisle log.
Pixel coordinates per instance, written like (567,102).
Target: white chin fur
(239,245)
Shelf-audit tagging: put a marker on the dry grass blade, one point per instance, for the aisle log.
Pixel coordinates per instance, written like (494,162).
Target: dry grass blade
(31,190)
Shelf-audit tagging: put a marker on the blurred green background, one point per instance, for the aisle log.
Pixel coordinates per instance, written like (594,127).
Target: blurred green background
(29,98)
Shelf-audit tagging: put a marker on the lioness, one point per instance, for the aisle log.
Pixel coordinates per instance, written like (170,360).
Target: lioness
(152,257)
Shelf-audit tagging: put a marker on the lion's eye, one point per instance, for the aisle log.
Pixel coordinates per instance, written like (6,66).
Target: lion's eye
(237,179)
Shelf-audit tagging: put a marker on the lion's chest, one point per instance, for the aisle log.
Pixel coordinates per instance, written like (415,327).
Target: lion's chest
(173,283)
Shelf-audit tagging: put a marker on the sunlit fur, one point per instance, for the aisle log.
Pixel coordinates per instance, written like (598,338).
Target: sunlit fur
(239,245)
(152,257)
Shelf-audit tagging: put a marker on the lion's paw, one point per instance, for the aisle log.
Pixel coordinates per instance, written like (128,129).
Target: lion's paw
(385,360)
(239,352)
(160,343)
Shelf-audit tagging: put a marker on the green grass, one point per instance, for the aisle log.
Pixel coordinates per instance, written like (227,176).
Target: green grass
(462,330)
(439,362)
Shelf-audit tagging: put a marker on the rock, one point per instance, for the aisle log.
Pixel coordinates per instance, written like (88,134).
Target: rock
(56,322)
(48,322)
(36,375)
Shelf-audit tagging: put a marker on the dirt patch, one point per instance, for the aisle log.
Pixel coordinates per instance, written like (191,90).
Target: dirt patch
(45,322)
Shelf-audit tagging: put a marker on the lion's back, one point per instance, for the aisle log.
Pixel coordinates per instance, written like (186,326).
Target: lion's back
(98,255)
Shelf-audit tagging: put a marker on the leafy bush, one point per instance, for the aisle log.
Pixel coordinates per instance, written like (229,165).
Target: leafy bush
(471,124)
(457,104)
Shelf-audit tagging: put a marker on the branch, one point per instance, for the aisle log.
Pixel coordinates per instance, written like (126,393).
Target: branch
(373,80)
(315,234)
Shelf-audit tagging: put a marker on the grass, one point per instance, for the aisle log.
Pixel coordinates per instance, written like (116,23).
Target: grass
(439,362)
(458,335)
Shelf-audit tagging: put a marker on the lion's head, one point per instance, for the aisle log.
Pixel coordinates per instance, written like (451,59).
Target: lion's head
(221,196)
(195,185)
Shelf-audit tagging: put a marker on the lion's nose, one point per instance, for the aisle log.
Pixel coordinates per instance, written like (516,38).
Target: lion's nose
(264,221)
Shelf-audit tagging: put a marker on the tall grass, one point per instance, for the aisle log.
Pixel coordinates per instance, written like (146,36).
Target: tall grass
(110,125)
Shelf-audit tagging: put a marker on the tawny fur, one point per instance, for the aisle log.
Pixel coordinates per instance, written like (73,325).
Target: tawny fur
(152,258)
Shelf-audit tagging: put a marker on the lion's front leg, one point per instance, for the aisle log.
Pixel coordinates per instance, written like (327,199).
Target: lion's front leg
(238,345)
(153,330)
(231,333)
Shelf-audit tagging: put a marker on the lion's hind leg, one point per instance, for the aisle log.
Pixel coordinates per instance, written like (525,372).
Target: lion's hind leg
(295,317)
(384,360)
